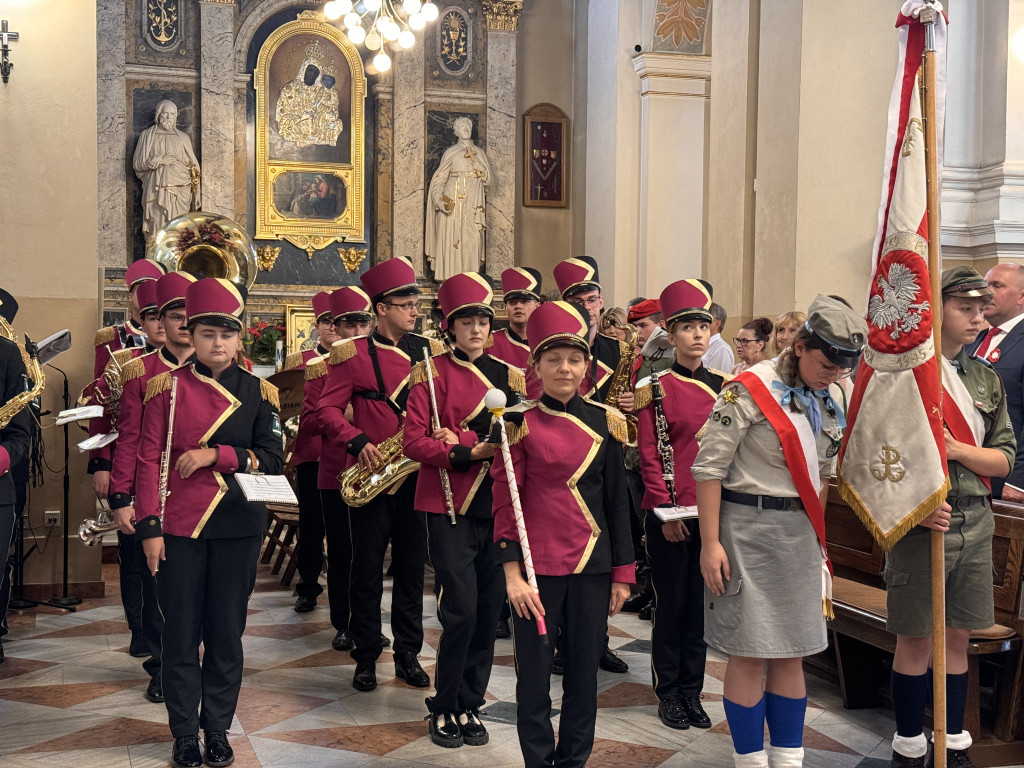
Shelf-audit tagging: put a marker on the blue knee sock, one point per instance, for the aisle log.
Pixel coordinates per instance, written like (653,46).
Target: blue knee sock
(746,724)
(785,720)
(909,694)
(956,702)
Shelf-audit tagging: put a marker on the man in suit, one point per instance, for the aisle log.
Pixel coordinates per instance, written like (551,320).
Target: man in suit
(1003,347)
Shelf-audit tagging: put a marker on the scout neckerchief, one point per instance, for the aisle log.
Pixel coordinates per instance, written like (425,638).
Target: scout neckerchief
(962,417)
(800,450)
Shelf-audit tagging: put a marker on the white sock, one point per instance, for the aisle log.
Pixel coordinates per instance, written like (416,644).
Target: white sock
(751,759)
(958,741)
(786,757)
(910,746)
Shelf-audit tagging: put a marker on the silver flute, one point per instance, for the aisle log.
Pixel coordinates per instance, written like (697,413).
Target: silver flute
(165,458)
(446,484)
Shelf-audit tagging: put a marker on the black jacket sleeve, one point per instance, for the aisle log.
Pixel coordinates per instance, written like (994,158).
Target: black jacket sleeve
(616,505)
(16,437)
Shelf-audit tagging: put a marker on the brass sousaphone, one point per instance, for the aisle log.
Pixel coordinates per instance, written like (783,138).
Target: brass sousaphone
(206,245)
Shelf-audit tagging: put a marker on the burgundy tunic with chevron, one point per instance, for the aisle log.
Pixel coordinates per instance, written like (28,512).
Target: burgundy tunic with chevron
(307,441)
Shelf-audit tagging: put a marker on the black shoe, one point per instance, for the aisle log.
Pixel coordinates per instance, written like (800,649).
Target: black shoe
(342,641)
(218,750)
(407,667)
(2,657)
(155,691)
(558,664)
(305,604)
(473,732)
(444,730)
(955,758)
(902,761)
(612,663)
(365,678)
(636,602)
(673,713)
(186,752)
(501,631)
(385,641)
(645,613)
(138,647)
(695,712)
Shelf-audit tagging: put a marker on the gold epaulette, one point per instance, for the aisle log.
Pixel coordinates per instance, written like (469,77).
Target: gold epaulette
(105,336)
(616,422)
(516,380)
(642,397)
(158,384)
(316,368)
(436,347)
(124,356)
(726,377)
(269,393)
(294,360)
(132,370)
(490,341)
(516,432)
(419,373)
(342,352)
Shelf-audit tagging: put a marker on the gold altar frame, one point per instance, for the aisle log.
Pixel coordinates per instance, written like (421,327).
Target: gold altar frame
(299,321)
(310,234)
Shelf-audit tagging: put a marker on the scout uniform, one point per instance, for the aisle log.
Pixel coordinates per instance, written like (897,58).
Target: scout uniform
(568,465)
(211,533)
(135,377)
(305,458)
(371,374)
(678,650)
(771,445)
(471,582)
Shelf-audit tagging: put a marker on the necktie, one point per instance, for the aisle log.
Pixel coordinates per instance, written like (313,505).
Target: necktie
(987,342)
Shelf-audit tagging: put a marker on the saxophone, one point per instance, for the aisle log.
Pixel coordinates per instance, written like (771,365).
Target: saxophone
(360,486)
(20,401)
(620,379)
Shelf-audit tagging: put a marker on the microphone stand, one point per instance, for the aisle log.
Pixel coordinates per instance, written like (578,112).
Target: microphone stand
(64,601)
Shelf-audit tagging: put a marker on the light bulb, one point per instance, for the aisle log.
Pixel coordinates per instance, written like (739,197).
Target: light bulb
(372,5)
(382,23)
(333,10)
(406,39)
(351,20)
(344,5)
(390,31)
(429,11)
(416,21)
(412,6)
(373,41)
(382,62)
(357,35)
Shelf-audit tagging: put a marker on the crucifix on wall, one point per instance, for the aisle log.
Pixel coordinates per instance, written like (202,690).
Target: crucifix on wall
(5,62)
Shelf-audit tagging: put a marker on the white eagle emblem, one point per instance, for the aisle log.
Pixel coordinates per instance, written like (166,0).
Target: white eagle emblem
(895,306)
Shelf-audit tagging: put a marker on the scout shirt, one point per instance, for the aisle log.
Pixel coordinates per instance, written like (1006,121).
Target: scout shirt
(102,459)
(234,414)
(986,389)
(741,448)
(135,378)
(572,485)
(460,386)
(509,346)
(307,442)
(687,399)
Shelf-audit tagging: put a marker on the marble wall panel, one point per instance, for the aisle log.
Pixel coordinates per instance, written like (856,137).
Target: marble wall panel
(408,195)
(383,179)
(217,88)
(112,135)
(142,48)
(501,150)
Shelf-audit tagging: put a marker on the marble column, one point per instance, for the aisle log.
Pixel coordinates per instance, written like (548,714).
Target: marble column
(502,21)
(217,110)
(111,214)
(409,130)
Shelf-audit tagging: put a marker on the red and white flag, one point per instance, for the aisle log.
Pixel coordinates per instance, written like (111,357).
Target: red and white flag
(892,466)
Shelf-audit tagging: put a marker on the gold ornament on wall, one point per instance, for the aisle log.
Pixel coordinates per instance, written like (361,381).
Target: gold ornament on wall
(352,257)
(503,15)
(266,255)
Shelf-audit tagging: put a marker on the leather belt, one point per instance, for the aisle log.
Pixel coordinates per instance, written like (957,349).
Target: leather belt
(962,502)
(782,503)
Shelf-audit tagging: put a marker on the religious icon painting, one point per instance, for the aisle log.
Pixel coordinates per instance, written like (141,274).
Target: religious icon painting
(544,174)
(300,328)
(310,97)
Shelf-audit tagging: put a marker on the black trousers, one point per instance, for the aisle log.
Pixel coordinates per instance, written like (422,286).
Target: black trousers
(309,555)
(204,587)
(339,556)
(471,596)
(387,518)
(578,605)
(678,650)
(8,525)
(149,615)
(131,581)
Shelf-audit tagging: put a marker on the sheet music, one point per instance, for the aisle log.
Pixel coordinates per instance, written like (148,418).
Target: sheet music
(667,514)
(274,489)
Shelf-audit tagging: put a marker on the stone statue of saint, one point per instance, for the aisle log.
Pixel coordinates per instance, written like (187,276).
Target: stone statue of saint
(456,211)
(167,165)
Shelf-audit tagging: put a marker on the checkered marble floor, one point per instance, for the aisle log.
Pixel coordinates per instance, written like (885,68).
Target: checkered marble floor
(70,695)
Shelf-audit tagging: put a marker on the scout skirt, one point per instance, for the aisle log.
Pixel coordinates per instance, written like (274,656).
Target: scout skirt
(772,605)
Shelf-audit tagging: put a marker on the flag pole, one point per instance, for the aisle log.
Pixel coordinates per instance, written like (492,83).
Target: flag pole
(938,550)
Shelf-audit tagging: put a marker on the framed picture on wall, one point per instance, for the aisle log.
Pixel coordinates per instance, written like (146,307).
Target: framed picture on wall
(300,328)
(545,178)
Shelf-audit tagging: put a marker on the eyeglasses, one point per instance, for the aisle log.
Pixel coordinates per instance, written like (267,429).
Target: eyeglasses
(743,342)
(406,306)
(175,318)
(591,301)
(829,369)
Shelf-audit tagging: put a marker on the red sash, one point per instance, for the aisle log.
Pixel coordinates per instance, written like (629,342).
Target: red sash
(958,427)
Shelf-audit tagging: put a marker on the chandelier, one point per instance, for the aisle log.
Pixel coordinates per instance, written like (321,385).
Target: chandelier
(376,23)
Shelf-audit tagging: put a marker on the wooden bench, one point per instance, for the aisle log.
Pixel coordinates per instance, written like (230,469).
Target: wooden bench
(283,527)
(861,648)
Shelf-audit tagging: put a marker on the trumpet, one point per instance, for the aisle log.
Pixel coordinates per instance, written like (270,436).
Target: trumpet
(92,529)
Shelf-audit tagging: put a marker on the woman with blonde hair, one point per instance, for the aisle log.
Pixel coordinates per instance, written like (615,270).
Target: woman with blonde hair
(612,322)
(786,326)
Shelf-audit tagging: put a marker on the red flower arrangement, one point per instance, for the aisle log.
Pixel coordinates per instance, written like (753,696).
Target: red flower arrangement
(263,338)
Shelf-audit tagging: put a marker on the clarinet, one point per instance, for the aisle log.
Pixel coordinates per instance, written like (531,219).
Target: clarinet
(665,450)
(165,458)
(446,484)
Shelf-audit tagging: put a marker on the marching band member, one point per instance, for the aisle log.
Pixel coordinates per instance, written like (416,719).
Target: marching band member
(687,393)
(521,289)
(462,554)
(309,554)
(979,444)
(204,546)
(772,438)
(567,455)
(135,377)
(371,374)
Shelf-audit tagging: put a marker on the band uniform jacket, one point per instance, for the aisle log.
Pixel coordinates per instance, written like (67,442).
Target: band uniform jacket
(460,386)
(236,414)
(509,346)
(351,381)
(572,486)
(605,354)
(124,335)
(135,377)
(16,436)
(297,360)
(307,441)
(102,459)
(687,400)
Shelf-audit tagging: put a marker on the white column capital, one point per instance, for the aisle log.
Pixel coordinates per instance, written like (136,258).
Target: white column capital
(673,74)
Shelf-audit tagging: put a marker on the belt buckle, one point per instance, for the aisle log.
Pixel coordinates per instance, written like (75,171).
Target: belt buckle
(793,505)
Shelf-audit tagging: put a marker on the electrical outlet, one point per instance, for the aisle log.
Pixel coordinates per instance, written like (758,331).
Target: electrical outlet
(51,519)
